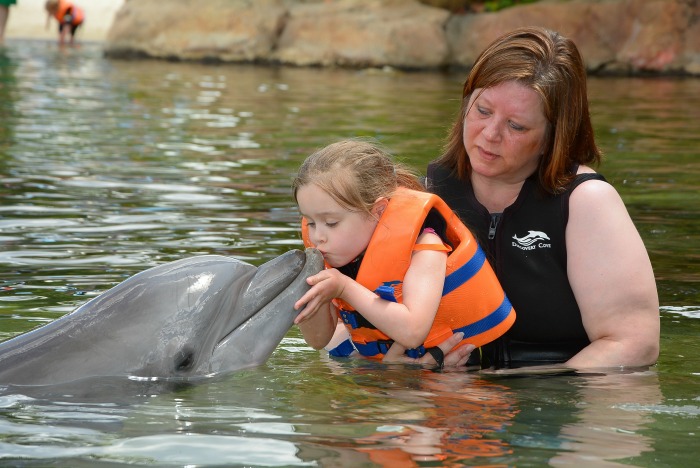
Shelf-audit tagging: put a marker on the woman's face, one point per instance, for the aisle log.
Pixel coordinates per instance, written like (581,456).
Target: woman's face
(504,132)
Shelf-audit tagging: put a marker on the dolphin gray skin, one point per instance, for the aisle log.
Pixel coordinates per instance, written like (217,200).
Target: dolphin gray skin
(194,318)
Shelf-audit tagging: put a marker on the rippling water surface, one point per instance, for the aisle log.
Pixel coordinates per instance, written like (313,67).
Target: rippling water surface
(110,167)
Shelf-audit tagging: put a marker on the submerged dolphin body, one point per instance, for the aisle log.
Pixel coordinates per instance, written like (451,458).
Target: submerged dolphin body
(198,317)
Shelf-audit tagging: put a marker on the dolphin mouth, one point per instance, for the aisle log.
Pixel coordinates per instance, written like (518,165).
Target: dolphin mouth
(272,282)
(250,342)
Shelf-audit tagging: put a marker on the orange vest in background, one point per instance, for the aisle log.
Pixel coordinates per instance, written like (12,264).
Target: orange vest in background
(77,12)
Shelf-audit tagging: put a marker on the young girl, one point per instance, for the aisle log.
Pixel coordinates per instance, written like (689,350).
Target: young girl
(403,273)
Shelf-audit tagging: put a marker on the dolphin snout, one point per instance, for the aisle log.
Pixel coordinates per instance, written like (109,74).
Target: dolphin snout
(314,261)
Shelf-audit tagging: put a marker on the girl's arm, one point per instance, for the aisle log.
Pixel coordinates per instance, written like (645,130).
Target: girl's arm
(407,323)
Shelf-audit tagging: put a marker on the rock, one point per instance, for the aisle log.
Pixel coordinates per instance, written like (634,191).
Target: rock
(362,33)
(614,36)
(470,34)
(655,39)
(196,30)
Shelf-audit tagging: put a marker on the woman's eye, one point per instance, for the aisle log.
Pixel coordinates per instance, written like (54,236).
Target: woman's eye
(482,111)
(516,127)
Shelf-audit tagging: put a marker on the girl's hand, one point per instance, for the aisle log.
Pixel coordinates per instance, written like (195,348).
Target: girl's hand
(325,286)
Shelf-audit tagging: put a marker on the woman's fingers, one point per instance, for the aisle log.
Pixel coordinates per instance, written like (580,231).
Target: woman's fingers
(459,357)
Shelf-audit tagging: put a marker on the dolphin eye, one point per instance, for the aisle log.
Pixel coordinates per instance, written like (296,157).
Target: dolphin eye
(184,359)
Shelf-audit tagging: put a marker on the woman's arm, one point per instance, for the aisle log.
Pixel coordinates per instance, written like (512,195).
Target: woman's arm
(613,281)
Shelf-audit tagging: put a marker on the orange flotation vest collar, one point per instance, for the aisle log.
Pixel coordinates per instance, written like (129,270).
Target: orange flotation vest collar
(473,300)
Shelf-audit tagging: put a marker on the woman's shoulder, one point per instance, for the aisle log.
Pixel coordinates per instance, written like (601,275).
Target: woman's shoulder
(592,189)
(590,179)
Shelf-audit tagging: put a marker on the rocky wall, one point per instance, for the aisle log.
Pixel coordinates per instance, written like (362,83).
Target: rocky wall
(614,36)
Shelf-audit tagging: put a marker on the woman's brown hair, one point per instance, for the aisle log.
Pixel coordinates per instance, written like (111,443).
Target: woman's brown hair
(551,65)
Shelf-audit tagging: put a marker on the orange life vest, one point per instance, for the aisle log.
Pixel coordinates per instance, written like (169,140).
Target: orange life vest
(472,301)
(63,7)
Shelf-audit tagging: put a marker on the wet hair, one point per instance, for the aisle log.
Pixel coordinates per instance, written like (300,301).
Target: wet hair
(551,65)
(355,173)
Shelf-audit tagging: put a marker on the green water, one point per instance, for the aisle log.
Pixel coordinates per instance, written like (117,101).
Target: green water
(110,167)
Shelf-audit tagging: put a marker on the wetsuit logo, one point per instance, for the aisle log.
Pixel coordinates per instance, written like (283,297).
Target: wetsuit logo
(533,240)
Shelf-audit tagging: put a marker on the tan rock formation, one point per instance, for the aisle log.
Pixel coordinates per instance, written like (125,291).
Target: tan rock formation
(364,33)
(196,30)
(614,36)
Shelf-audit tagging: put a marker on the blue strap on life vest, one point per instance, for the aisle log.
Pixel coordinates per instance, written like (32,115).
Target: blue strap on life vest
(452,282)
(344,349)
(488,322)
(349,318)
(493,319)
(464,273)
(415,353)
(374,347)
(355,320)
(386,291)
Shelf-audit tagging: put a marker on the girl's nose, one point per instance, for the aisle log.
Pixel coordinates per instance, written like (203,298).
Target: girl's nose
(317,237)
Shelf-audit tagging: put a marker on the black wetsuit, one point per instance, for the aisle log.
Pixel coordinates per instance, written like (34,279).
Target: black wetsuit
(526,246)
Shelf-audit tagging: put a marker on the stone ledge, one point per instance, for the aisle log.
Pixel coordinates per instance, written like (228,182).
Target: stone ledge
(614,36)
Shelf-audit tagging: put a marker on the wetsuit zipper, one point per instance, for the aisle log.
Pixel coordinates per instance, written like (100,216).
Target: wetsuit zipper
(495,218)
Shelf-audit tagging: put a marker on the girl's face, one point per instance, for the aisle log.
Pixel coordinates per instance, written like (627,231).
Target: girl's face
(504,131)
(341,235)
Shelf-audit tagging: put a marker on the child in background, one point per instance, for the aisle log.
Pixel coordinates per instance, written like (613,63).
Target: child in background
(68,15)
(403,273)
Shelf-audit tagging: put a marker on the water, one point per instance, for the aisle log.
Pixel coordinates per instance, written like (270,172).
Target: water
(110,167)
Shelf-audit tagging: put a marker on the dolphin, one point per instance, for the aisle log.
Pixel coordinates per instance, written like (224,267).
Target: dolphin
(190,319)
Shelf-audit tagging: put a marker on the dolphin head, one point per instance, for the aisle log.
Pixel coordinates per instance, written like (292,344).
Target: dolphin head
(192,318)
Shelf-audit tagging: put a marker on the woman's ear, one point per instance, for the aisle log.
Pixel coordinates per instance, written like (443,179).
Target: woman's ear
(379,206)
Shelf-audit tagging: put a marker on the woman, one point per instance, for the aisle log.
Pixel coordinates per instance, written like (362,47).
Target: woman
(517,169)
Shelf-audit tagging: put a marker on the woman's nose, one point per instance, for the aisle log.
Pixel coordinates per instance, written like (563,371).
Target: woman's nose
(492,130)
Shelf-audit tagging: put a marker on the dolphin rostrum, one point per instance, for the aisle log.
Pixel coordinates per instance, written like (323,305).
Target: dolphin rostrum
(197,317)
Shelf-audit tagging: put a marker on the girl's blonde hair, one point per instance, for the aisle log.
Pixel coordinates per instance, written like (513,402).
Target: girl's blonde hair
(355,173)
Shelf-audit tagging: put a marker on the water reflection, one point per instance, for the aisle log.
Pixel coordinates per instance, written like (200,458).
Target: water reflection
(8,85)
(408,418)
